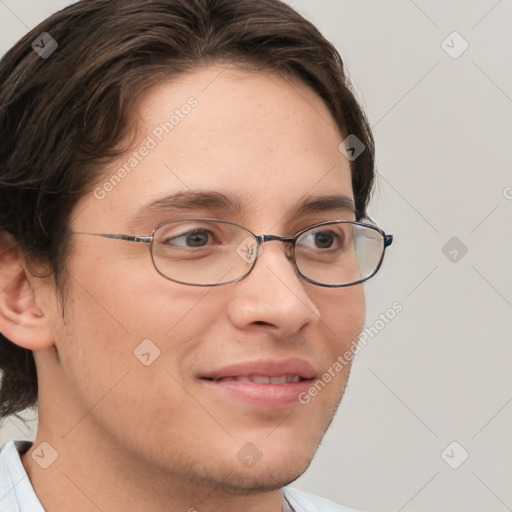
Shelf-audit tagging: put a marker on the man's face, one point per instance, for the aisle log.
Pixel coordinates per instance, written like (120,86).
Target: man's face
(273,146)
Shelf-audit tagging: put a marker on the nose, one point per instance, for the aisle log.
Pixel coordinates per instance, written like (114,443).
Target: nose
(273,296)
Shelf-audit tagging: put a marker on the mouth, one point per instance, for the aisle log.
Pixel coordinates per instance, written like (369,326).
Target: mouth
(269,384)
(261,379)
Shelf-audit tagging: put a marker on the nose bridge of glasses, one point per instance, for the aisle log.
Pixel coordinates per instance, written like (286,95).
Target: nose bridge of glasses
(270,238)
(287,240)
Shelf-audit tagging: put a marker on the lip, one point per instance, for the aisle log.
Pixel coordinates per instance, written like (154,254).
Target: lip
(268,396)
(267,367)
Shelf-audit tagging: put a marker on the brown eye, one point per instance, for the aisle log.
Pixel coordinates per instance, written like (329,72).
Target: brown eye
(198,238)
(320,239)
(324,239)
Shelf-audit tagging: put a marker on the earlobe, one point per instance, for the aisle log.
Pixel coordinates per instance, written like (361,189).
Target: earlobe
(21,320)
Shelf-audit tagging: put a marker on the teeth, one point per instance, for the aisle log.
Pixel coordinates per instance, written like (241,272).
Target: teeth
(263,379)
(260,379)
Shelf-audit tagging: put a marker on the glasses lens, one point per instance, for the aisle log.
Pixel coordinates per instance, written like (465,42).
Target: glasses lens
(202,251)
(339,253)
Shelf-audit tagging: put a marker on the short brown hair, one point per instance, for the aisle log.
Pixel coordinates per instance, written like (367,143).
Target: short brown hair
(63,117)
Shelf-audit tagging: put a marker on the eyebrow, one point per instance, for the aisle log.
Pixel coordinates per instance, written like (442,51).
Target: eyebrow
(319,204)
(188,200)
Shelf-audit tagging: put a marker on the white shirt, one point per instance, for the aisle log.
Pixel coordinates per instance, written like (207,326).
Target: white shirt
(18,495)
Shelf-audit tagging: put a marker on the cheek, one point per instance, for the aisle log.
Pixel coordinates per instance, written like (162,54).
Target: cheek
(109,316)
(342,315)
(105,370)
(125,296)
(94,346)
(342,318)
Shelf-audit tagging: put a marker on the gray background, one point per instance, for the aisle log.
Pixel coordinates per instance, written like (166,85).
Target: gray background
(439,372)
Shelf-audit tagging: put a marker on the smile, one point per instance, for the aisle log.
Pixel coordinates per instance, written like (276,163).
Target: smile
(264,384)
(262,379)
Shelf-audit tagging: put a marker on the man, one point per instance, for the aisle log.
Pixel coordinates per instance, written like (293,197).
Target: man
(183,195)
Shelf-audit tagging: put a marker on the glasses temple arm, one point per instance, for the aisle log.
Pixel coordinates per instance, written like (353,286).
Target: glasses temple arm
(127,238)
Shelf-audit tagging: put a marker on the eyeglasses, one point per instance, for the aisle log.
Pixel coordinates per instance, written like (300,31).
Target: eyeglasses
(212,252)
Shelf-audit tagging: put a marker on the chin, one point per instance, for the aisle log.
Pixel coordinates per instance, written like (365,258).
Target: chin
(267,478)
(273,471)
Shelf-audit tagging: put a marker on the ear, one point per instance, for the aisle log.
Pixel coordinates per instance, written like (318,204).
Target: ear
(22,321)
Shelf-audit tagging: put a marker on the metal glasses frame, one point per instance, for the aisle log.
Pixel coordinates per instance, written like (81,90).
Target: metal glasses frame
(260,239)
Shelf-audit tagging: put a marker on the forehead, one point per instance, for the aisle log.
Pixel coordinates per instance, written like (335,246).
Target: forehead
(265,140)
